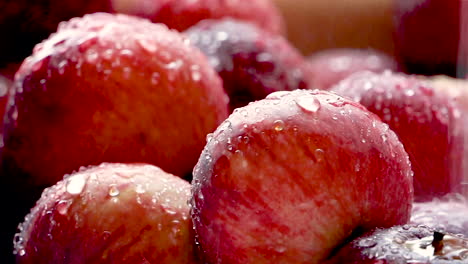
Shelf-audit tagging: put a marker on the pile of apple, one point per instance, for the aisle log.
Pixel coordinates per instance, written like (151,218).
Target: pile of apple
(195,132)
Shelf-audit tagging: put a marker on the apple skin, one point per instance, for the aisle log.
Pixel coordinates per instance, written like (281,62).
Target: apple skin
(251,62)
(105,88)
(330,66)
(427,122)
(430,37)
(107,96)
(182,14)
(111,213)
(288,178)
(447,214)
(407,244)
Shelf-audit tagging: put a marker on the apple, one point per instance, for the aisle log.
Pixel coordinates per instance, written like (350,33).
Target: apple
(428,123)
(430,36)
(330,66)
(289,178)
(448,214)
(251,62)
(106,88)
(404,245)
(182,14)
(109,95)
(111,213)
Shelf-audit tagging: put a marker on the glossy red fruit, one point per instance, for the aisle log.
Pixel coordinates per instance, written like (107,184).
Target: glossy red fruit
(106,88)
(449,214)
(430,36)
(426,121)
(330,66)
(289,178)
(111,213)
(252,62)
(182,14)
(404,245)
(111,88)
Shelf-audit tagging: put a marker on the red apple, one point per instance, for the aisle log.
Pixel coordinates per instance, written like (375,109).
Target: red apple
(111,213)
(252,62)
(431,36)
(181,14)
(106,88)
(427,122)
(111,88)
(407,244)
(289,178)
(330,66)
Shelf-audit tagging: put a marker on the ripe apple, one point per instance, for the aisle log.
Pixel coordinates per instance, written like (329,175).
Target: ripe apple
(111,213)
(431,36)
(251,62)
(106,88)
(404,245)
(427,122)
(289,178)
(330,66)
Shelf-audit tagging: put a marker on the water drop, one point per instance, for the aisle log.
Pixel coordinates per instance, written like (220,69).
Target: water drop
(155,78)
(319,155)
(278,125)
(222,36)
(367,243)
(384,137)
(76,184)
(277,95)
(280,249)
(91,56)
(196,76)
(409,92)
(62,207)
(147,45)
(140,189)
(113,190)
(175,64)
(61,67)
(308,104)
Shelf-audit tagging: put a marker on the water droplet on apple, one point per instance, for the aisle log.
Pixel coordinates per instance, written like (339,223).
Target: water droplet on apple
(174,65)
(155,78)
(367,243)
(113,190)
(126,72)
(91,56)
(277,95)
(278,125)
(62,207)
(147,45)
(280,249)
(76,184)
(61,67)
(319,155)
(409,92)
(308,104)
(140,189)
